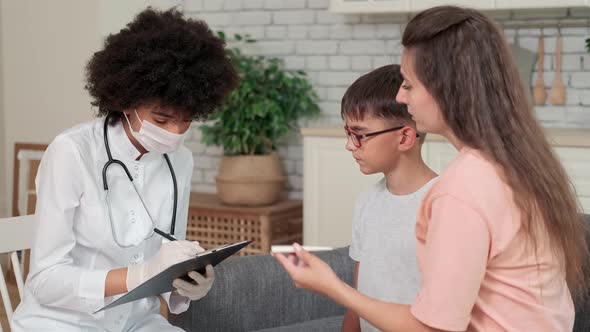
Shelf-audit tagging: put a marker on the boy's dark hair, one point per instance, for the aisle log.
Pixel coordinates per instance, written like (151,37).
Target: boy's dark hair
(163,59)
(374,94)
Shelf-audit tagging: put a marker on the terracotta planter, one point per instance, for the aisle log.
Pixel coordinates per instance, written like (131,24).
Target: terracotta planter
(250,180)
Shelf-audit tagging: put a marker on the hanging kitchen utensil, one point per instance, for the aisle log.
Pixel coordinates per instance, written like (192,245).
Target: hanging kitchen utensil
(525,61)
(557,93)
(539,93)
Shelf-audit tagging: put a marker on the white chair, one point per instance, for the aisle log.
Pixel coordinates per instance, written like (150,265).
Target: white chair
(26,161)
(16,234)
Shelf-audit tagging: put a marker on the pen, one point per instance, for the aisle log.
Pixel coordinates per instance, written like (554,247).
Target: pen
(164,235)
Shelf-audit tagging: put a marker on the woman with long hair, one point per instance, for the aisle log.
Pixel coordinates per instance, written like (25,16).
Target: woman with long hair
(501,243)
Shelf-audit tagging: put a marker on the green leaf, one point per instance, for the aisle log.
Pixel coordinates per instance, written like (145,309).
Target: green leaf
(221,35)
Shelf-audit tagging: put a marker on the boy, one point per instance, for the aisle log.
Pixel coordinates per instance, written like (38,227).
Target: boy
(382,138)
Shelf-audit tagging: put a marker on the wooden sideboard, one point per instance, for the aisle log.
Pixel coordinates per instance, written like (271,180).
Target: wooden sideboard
(213,223)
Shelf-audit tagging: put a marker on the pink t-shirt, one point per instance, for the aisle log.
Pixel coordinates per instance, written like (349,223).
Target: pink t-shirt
(476,271)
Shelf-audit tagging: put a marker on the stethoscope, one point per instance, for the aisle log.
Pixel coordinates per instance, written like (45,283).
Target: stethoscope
(112,161)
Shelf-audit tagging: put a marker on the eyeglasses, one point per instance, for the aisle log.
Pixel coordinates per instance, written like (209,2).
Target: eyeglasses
(357,138)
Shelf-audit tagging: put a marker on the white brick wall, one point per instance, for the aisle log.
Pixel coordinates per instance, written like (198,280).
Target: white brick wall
(580,80)
(362,47)
(276,32)
(294,62)
(312,47)
(293,17)
(252,4)
(336,49)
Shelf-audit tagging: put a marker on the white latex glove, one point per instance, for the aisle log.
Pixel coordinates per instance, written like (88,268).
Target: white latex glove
(200,289)
(169,254)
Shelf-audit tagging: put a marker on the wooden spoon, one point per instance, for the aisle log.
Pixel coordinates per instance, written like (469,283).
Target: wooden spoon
(557,93)
(539,93)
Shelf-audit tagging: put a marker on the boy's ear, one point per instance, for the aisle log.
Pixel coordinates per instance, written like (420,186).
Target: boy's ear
(408,138)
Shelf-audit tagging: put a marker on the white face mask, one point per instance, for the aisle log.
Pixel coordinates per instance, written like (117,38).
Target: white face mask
(154,138)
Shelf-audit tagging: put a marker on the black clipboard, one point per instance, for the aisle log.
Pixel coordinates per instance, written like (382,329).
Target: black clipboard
(162,282)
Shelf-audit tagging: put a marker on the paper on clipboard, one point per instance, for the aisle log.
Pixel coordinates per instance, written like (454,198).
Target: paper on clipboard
(162,282)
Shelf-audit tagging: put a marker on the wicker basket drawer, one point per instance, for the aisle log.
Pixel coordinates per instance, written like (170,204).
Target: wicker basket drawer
(213,224)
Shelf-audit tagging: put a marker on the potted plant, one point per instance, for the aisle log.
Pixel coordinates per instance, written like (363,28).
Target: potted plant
(266,106)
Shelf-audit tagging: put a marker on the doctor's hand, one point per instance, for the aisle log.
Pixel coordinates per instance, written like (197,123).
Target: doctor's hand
(310,272)
(169,254)
(200,288)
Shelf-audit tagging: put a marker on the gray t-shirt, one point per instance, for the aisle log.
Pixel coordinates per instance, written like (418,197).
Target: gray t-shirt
(384,242)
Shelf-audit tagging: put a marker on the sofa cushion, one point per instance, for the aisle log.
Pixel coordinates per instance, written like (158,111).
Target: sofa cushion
(329,324)
(582,323)
(254,292)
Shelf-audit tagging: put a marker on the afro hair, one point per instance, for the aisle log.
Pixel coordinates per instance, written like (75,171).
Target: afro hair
(162,59)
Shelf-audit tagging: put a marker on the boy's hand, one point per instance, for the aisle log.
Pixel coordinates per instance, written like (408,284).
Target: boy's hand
(310,272)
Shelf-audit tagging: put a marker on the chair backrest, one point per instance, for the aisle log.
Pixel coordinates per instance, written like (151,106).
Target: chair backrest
(26,161)
(16,234)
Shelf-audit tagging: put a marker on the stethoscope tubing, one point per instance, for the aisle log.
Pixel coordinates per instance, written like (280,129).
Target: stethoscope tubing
(112,161)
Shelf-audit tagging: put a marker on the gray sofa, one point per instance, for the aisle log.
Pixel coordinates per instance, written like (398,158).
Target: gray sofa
(582,323)
(254,293)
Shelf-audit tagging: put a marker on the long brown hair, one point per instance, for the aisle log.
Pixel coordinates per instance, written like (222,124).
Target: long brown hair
(464,62)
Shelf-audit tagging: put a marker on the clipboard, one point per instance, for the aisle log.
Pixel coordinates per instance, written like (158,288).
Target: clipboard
(162,282)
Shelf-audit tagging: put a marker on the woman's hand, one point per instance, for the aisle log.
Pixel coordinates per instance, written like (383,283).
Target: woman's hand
(310,272)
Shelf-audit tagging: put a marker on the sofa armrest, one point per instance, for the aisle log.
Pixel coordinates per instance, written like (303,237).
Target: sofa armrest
(255,292)
(582,322)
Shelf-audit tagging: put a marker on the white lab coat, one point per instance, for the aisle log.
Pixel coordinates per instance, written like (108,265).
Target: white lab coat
(73,247)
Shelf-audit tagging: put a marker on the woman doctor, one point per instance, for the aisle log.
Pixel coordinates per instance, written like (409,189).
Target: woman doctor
(110,191)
